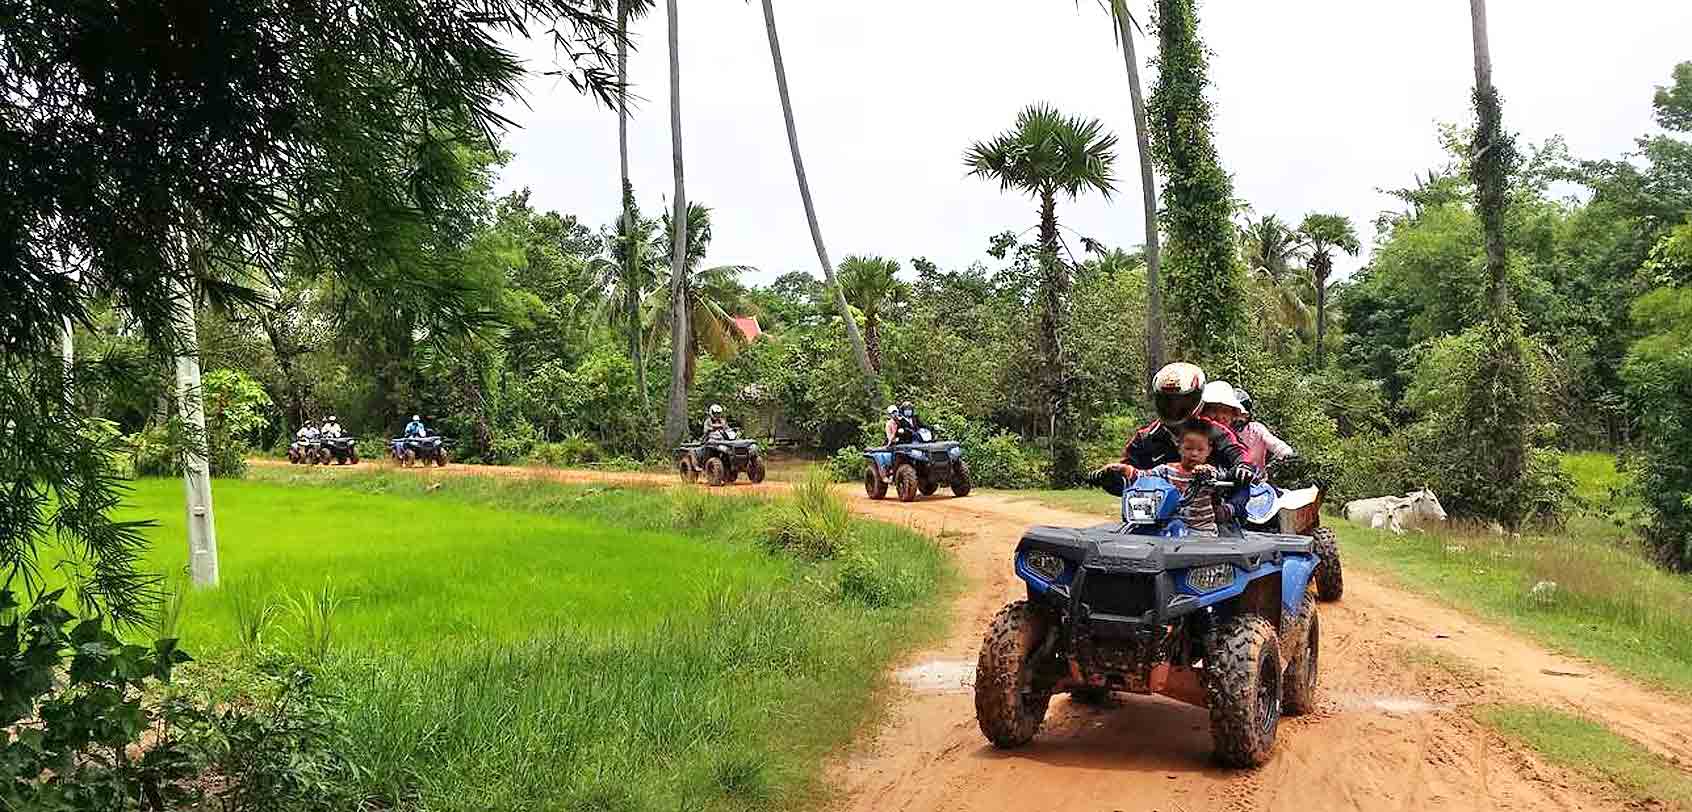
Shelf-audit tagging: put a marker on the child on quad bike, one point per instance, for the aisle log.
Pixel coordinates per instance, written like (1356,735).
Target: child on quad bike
(1193,477)
(1177,393)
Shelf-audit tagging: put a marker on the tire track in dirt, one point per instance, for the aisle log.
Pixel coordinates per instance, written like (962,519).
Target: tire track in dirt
(1392,731)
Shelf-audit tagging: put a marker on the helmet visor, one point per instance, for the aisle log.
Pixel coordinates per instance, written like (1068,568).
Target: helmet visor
(1176,407)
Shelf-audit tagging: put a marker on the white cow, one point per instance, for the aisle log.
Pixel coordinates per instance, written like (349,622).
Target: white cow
(1395,513)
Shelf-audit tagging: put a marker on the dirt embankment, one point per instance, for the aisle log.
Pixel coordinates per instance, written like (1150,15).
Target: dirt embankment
(1393,732)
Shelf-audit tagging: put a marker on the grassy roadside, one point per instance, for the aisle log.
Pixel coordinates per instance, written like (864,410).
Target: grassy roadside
(1590,749)
(513,644)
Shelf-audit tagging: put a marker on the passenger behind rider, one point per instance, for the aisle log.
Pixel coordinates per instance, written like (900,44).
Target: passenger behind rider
(1192,476)
(1177,393)
(331,427)
(1228,406)
(902,424)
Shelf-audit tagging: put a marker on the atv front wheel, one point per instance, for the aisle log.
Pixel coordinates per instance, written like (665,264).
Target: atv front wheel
(688,472)
(1007,707)
(1242,665)
(961,481)
(441,459)
(1330,578)
(755,471)
(1299,696)
(874,486)
(714,472)
(353,458)
(906,480)
(928,487)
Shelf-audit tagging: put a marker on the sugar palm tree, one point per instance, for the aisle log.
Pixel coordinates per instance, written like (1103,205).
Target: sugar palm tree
(1322,234)
(1270,248)
(871,283)
(1125,25)
(1044,155)
(872,385)
(708,296)
(681,362)
(630,248)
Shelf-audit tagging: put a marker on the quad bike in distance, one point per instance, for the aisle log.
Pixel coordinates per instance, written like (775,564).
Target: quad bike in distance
(1226,622)
(422,450)
(342,450)
(721,458)
(918,468)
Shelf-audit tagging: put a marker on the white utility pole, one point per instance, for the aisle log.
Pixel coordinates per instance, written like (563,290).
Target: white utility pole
(196,474)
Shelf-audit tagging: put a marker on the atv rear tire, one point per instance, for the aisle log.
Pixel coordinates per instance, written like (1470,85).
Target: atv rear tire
(1007,708)
(1091,696)
(961,481)
(906,480)
(1298,697)
(874,486)
(755,471)
(928,487)
(1242,665)
(714,472)
(1330,578)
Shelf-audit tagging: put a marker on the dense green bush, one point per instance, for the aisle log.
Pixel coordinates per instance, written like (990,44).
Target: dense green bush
(1658,374)
(1006,461)
(846,465)
(867,580)
(814,522)
(570,452)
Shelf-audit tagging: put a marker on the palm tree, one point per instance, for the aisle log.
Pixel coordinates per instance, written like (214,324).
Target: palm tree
(1125,23)
(871,283)
(1270,248)
(1322,233)
(708,296)
(681,361)
(1045,154)
(629,252)
(872,385)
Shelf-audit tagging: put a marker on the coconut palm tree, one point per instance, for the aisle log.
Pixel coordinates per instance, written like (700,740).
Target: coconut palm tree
(1044,155)
(1322,233)
(629,252)
(872,385)
(1125,25)
(709,297)
(1270,248)
(871,283)
(681,362)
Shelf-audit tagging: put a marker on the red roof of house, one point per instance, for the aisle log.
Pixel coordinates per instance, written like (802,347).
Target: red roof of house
(748,326)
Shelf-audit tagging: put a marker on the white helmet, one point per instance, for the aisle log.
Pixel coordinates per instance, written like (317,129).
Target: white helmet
(892,410)
(1177,392)
(1222,393)
(417,418)
(716,408)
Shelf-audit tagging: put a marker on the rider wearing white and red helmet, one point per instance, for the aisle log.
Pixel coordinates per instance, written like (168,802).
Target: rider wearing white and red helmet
(1177,393)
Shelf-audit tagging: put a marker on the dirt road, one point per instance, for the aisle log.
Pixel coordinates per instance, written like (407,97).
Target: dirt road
(1393,732)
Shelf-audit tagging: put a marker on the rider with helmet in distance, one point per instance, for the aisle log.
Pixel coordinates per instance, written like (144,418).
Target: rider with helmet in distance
(1177,393)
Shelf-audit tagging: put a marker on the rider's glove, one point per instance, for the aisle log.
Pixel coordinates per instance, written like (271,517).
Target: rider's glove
(1245,474)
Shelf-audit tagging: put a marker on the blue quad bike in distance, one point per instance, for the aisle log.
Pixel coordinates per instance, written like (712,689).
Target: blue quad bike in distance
(917,468)
(1144,606)
(409,451)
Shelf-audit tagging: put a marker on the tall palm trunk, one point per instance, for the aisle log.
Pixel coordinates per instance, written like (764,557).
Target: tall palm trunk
(631,295)
(1054,293)
(1489,186)
(872,385)
(675,417)
(1321,266)
(872,337)
(1148,187)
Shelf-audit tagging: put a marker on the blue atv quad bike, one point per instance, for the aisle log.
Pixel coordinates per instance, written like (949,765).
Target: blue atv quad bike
(1144,606)
(342,449)
(917,468)
(721,458)
(421,450)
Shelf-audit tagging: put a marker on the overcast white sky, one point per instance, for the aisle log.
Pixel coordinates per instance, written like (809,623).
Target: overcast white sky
(1318,103)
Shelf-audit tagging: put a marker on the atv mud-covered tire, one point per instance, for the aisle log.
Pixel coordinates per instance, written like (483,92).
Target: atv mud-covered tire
(352,457)
(1008,711)
(441,459)
(1298,692)
(686,470)
(1242,684)
(928,487)
(755,471)
(714,473)
(874,486)
(1330,578)
(962,483)
(408,458)
(908,483)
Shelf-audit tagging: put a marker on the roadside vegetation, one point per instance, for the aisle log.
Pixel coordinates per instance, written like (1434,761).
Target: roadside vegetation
(1587,747)
(515,644)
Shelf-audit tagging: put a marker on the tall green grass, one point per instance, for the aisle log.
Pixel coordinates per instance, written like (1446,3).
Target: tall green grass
(518,645)
(1586,746)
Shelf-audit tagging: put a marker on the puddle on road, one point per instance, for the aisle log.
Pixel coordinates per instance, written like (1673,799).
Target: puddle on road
(1391,705)
(939,677)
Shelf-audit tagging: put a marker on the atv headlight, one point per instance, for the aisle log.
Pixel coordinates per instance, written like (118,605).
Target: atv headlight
(752,449)
(1141,507)
(723,448)
(919,454)
(1045,565)
(955,452)
(1211,577)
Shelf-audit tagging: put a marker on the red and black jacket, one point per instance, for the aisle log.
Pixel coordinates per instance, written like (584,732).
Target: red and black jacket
(1155,445)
